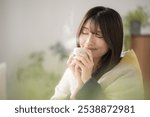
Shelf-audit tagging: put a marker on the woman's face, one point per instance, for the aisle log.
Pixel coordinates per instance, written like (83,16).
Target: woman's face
(93,41)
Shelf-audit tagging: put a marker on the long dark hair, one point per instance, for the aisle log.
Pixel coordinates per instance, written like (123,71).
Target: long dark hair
(110,23)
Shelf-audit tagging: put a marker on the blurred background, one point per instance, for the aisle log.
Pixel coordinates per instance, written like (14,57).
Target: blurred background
(36,37)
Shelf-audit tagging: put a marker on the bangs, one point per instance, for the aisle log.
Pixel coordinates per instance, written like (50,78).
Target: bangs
(94,25)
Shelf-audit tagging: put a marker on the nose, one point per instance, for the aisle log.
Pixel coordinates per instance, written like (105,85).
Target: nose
(89,39)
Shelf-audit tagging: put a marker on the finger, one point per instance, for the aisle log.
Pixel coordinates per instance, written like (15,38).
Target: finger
(70,59)
(77,71)
(89,54)
(72,63)
(82,59)
(77,68)
(72,67)
(81,65)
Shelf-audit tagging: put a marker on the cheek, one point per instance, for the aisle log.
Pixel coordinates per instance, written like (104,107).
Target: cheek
(103,48)
(81,42)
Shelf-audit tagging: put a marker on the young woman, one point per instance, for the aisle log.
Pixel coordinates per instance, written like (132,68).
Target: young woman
(103,73)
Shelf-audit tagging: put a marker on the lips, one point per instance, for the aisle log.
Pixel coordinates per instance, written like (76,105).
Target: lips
(92,49)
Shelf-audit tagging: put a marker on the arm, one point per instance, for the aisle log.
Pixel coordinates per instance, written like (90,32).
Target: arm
(62,90)
(91,90)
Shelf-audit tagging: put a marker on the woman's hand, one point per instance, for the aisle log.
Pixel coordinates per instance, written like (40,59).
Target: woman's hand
(82,67)
(85,64)
(75,70)
(77,74)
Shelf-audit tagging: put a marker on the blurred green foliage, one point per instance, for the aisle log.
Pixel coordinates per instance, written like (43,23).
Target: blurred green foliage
(139,14)
(59,48)
(34,82)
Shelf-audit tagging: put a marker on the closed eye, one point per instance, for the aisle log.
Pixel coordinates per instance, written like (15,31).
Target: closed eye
(99,35)
(85,30)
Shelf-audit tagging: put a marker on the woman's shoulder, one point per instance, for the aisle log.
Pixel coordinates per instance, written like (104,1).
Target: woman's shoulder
(129,57)
(128,63)
(124,81)
(127,69)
